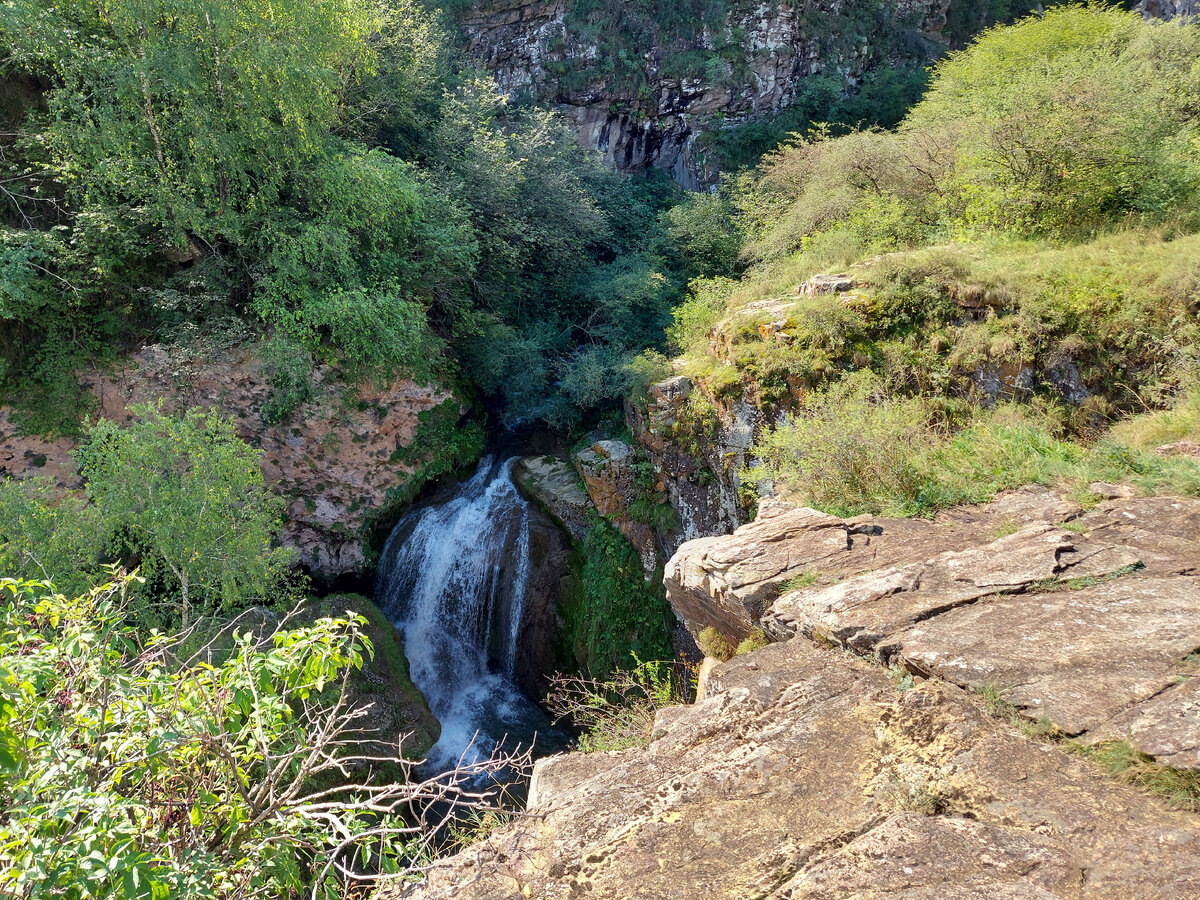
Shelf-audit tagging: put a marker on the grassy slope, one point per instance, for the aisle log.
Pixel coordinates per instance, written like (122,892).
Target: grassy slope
(878,392)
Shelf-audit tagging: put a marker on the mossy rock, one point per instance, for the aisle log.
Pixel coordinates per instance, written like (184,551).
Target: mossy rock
(397,705)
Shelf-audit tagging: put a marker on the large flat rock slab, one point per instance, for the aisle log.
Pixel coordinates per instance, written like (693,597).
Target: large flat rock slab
(863,611)
(1164,531)
(728,582)
(1167,726)
(1075,657)
(806,774)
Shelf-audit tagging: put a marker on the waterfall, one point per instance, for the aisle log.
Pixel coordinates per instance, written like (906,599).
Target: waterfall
(453,577)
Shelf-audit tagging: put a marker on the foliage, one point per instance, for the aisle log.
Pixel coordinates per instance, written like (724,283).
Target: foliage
(701,310)
(443,442)
(618,712)
(702,231)
(41,533)
(855,454)
(1059,125)
(712,643)
(336,175)
(614,609)
(1179,787)
(187,496)
(136,776)
(842,451)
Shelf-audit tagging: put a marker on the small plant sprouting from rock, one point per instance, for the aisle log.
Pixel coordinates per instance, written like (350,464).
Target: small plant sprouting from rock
(911,791)
(1002,708)
(756,641)
(475,826)
(902,679)
(618,713)
(1179,787)
(712,643)
(807,578)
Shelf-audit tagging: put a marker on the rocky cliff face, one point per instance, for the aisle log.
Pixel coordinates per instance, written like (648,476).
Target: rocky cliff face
(646,105)
(813,770)
(1168,9)
(334,458)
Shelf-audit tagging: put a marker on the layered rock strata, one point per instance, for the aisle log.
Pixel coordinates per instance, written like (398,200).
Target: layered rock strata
(1089,621)
(807,774)
(535,48)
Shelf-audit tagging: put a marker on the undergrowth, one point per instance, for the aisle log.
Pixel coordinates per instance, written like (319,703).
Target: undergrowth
(1180,788)
(618,712)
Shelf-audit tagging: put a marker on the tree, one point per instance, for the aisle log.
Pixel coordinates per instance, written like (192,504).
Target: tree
(42,534)
(125,773)
(189,112)
(188,495)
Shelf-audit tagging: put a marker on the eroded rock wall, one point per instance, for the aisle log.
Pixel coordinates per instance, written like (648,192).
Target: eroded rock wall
(531,48)
(334,458)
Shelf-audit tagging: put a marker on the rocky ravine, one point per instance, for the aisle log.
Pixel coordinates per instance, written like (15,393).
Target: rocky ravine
(528,45)
(811,771)
(537,48)
(333,459)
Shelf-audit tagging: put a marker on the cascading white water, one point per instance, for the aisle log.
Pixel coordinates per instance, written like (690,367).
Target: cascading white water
(453,577)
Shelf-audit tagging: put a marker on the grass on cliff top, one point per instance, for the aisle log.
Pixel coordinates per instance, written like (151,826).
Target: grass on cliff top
(851,453)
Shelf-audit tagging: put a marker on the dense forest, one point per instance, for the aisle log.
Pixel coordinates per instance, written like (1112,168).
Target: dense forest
(338,183)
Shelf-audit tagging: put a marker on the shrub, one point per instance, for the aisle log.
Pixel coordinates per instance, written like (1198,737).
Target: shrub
(702,231)
(712,643)
(614,609)
(756,641)
(849,453)
(129,773)
(618,712)
(186,495)
(693,319)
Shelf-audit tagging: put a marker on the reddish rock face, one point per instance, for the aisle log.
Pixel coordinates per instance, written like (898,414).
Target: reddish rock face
(332,458)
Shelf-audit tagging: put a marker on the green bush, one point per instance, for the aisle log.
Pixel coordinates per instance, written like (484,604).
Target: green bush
(127,772)
(855,454)
(1058,125)
(617,712)
(849,453)
(187,497)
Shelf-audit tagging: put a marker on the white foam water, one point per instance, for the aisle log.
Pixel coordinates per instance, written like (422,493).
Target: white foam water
(454,576)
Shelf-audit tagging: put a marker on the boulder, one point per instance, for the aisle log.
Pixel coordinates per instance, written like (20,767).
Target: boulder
(554,487)
(727,582)
(1084,623)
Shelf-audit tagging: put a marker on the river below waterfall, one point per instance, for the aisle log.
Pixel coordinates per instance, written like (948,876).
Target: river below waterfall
(454,578)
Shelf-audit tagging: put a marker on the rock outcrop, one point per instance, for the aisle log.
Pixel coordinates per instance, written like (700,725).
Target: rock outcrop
(1086,620)
(807,773)
(334,458)
(554,486)
(653,114)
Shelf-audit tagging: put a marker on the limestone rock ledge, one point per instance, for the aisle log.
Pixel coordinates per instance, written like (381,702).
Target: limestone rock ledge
(807,774)
(333,459)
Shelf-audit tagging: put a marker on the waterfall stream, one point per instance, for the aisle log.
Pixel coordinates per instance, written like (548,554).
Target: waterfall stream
(453,577)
